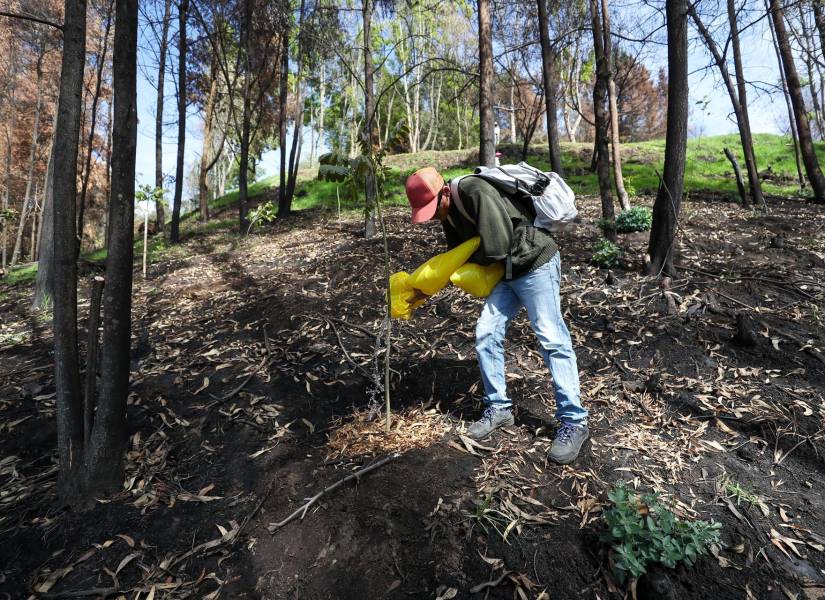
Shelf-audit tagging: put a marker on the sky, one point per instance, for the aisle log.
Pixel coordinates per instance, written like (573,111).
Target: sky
(711,108)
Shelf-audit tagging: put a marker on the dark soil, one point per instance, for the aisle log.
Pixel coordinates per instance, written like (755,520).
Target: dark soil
(725,430)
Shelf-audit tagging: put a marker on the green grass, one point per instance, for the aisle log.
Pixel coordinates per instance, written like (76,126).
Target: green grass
(22,274)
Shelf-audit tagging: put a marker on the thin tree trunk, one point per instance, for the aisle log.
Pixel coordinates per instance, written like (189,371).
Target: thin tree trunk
(34,230)
(615,145)
(160,215)
(808,44)
(4,222)
(513,137)
(745,123)
(600,145)
(87,164)
(737,172)
(28,200)
(208,128)
(548,71)
(283,95)
(661,246)
(104,455)
(64,197)
(297,135)
(322,106)
(487,147)
(819,20)
(183,9)
(788,104)
(803,128)
(44,283)
(369,136)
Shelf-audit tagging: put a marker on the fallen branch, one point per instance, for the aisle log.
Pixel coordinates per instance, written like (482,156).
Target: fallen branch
(361,369)
(302,510)
(489,584)
(803,344)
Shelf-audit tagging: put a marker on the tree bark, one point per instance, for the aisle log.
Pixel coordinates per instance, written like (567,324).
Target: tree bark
(615,145)
(819,20)
(369,136)
(44,284)
(103,458)
(4,222)
(487,147)
(208,140)
(28,200)
(64,196)
(183,9)
(745,124)
(803,128)
(600,145)
(160,214)
(669,197)
(548,72)
(87,163)
(298,129)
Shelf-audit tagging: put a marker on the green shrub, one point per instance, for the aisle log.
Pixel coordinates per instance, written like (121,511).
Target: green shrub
(637,218)
(643,532)
(606,253)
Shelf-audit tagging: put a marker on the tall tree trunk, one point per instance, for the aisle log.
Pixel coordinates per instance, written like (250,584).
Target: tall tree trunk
(600,118)
(28,200)
(104,456)
(283,95)
(64,197)
(513,137)
(788,104)
(808,43)
(87,163)
(4,222)
(298,129)
(160,214)
(803,128)
(35,220)
(208,141)
(183,9)
(615,145)
(44,283)
(487,147)
(321,106)
(745,124)
(548,72)
(662,242)
(819,20)
(369,136)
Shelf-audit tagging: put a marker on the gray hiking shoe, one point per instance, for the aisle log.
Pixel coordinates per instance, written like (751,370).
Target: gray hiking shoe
(568,442)
(490,420)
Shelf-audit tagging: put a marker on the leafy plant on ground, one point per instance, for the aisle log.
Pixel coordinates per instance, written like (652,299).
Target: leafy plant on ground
(643,531)
(636,218)
(606,253)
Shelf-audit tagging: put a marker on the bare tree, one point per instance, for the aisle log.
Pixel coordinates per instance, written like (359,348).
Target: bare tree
(160,213)
(803,128)
(615,145)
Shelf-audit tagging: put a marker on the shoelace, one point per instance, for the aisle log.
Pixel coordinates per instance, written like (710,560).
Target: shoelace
(488,413)
(565,433)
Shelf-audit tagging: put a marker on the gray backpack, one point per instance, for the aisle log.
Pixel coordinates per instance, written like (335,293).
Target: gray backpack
(550,196)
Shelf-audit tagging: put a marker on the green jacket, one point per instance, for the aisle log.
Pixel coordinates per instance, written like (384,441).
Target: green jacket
(504,225)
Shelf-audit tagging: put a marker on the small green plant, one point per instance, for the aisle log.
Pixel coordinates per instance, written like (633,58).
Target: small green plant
(263,213)
(643,531)
(636,218)
(736,491)
(606,254)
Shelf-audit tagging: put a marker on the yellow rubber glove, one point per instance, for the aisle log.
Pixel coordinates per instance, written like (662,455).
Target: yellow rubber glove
(434,274)
(476,279)
(403,298)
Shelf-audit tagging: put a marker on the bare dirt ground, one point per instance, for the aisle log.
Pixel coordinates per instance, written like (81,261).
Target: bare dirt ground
(252,389)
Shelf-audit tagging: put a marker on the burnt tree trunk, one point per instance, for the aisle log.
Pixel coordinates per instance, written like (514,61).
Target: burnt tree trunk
(246,117)
(160,214)
(183,9)
(803,127)
(103,458)
(669,197)
(64,197)
(44,284)
(600,118)
(487,147)
(283,95)
(548,72)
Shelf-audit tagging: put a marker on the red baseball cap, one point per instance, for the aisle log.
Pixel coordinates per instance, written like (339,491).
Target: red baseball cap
(422,192)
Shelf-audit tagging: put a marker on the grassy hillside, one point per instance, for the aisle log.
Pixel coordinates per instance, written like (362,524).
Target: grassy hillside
(707,171)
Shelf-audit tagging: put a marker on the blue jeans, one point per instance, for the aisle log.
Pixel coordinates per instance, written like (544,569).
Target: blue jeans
(538,291)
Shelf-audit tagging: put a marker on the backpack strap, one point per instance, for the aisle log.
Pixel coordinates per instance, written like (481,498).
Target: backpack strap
(455,198)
